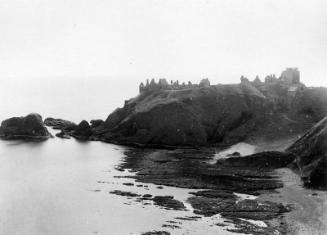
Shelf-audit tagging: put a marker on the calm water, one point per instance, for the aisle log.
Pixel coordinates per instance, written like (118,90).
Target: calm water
(62,186)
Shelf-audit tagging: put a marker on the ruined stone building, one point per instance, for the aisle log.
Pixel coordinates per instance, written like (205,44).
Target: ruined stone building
(289,81)
(174,85)
(290,76)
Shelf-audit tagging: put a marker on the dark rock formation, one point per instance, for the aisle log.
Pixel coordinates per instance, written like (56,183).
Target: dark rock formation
(230,207)
(168,202)
(63,135)
(29,127)
(263,160)
(61,124)
(311,155)
(156,233)
(96,123)
(83,131)
(186,117)
(124,193)
(190,169)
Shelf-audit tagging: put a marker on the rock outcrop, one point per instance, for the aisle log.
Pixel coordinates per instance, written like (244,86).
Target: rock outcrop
(96,123)
(29,127)
(60,124)
(311,155)
(83,131)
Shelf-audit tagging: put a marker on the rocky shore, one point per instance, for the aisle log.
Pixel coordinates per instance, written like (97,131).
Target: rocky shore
(252,175)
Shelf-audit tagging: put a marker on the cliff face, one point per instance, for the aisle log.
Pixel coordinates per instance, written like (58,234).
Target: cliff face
(202,116)
(311,155)
(29,127)
(312,102)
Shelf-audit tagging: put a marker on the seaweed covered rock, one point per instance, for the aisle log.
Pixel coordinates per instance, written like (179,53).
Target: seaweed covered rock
(311,155)
(29,127)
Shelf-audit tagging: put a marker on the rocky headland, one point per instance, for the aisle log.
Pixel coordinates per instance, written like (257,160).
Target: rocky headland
(172,116)
(208,116)
(215,115)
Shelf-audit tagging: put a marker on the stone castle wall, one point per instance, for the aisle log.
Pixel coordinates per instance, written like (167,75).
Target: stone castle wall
(289,78)
(173,85)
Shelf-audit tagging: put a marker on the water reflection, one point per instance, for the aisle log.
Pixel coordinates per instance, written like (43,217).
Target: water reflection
(31,143)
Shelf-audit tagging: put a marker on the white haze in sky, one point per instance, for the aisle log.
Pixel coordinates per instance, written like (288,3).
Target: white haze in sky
(177,39)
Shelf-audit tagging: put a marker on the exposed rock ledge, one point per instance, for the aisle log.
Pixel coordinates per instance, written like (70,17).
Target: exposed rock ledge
(29,127)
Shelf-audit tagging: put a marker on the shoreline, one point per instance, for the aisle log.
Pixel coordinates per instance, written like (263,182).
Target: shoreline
(309,206)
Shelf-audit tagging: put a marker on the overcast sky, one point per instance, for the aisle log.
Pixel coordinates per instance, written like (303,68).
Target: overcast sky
(185,39)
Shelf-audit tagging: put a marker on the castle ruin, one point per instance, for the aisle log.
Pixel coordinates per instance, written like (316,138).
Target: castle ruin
(173,85)
(289,79)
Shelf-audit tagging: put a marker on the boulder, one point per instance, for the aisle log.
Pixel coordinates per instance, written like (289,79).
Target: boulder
(311,155)
(29,127)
